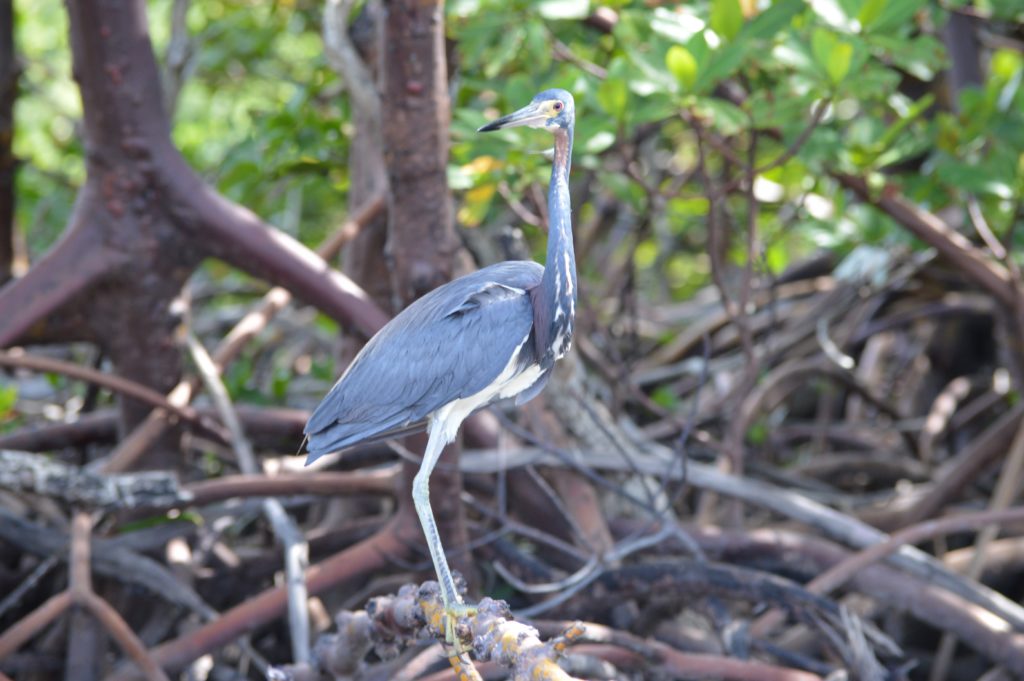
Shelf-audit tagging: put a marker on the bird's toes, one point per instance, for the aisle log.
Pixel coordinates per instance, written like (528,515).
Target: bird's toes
(456,633)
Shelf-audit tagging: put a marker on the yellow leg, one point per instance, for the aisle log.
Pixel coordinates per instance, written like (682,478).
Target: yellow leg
(453,605)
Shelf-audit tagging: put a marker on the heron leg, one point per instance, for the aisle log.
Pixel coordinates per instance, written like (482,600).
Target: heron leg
(421,499)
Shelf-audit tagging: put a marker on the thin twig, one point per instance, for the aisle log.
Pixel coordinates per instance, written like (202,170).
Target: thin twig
(345,59)
(125,637)
(178,56)
(985,232)
(82,594)
(30,625)
(19,359)
(817,114)
(296,549)
(562,51)
(1007,488)
(40,571)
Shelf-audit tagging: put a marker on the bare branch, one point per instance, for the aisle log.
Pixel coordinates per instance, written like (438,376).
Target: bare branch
(357,561)
(928,227)
(296,549)
(343,58)
(41,475)
(399,620)
(18,358)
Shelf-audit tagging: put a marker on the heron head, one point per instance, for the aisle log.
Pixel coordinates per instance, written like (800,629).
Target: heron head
(552,109)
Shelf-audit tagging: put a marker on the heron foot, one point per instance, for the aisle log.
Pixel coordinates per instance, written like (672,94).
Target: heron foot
(453,613)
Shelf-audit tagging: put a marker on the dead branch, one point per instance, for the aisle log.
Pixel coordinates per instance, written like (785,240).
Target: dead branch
(844,571)
(264,424)
(345,59)
(19,359)
(80,593)
(41,475)
(988,273)
(391,623)
(355,562)
(296,549)
(111,559)
(321,483)
(159,490)
(626,650)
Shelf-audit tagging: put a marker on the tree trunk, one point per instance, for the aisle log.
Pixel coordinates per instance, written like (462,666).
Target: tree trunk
(126,133)
(8,93)
(421,236)
(421,241)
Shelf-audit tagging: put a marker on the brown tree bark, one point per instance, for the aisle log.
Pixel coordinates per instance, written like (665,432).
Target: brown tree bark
(421,236)
(9,71)
(421,242)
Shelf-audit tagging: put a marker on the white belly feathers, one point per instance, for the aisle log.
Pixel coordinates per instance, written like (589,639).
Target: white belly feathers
(509,383)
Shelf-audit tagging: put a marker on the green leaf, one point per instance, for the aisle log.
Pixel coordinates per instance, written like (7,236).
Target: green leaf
(769,22)
(508,48)
(613,96)
(681,207)
(895,15)
(645,254)
(8,398)
(725,117)
(723,63)
(682,65)
(839,63)
(870,11)
(519,88)
(922,56)
(777,257)
(726,18)
(279,383)
(1005,64)
(916,110)
(832,53)
(666,397)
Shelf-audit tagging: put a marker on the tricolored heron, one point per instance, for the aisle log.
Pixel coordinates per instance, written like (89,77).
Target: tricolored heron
(490,335)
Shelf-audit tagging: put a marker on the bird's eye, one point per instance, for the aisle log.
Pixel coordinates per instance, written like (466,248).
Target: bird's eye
(558,106)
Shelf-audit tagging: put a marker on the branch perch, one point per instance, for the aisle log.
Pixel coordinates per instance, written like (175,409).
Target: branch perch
(392,622)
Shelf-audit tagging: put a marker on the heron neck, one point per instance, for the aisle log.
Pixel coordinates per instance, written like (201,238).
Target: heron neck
(559,283)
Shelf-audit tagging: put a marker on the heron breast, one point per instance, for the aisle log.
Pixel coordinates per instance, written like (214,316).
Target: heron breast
(512,380)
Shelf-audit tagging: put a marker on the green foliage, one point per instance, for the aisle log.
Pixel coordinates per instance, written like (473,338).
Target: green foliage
(8,398)
(682,96)
(259,115)
(46,116)
(732,68)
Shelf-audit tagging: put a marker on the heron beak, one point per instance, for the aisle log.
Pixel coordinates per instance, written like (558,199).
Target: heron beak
(532,115)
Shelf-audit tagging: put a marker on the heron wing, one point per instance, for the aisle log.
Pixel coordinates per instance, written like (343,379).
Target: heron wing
(450,344)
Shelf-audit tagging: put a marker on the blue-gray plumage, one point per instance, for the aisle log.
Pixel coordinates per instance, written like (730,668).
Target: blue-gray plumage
(442,347)
(490,335)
